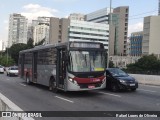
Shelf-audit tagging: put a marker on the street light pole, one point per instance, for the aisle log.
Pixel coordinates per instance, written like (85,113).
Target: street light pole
(110,23)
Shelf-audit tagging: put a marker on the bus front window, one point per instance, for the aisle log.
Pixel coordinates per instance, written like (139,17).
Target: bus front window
(86,61)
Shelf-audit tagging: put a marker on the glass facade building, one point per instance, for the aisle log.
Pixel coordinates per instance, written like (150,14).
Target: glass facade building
(136,44)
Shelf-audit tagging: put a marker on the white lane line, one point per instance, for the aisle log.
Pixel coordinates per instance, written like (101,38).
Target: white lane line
(23,84)
(147,90)
(64,99)
(110,94)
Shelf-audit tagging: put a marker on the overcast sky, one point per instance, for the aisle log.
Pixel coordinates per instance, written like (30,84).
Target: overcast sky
(62,8)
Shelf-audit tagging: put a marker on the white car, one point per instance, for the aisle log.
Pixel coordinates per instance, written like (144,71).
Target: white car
(1,69)
(13,70)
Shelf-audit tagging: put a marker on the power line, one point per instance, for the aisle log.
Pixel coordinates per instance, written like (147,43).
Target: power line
(144,13)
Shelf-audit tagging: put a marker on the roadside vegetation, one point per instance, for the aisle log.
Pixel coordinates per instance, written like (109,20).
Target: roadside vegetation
(146,65)
(10,55)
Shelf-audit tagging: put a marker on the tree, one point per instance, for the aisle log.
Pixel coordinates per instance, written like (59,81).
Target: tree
(30,43)
(147,64)
(111,64)
(15,49)
(40,42)
(6,61)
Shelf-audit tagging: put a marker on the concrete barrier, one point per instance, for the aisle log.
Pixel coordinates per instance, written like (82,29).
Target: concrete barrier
(147,79)
(7,105)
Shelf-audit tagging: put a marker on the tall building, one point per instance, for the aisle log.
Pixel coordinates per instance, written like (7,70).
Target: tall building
(42,24)
(41,31)
(119,31)
(17,29)
(77,16)
(151,36)
(136,43)
(58,30)
(62,30)
(99,16)
(88,31)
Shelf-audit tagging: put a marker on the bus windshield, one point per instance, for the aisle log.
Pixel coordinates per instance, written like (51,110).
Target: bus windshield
(86,61)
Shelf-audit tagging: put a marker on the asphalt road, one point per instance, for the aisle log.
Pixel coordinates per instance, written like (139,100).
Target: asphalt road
(38,98)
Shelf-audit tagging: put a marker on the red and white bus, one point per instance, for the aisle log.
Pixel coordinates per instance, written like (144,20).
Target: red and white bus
(71,66)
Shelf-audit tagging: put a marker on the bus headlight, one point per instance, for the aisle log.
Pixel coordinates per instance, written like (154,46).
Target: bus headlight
(104,80)
(73,81)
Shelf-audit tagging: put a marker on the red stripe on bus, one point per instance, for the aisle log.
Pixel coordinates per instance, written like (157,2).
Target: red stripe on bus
(89,80)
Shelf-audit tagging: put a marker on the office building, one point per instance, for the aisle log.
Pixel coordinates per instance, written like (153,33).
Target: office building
(88,31)
(151,35)
(62,30)
(77,16)
(136,43)
(118,29)
(17,32)
(99,16)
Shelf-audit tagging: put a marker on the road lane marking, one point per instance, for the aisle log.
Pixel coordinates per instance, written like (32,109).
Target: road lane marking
(23,84)
(64,99)
(110,94)
(147,90)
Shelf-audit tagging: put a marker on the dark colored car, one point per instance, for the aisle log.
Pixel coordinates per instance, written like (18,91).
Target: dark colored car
(118,80)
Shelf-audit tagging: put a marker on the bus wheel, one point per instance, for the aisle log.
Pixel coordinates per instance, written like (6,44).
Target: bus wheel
(52,85)
(27,80)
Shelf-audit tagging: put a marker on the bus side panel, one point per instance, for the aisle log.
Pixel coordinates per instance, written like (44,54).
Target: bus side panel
(44,72)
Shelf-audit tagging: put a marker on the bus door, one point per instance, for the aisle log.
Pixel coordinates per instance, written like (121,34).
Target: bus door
(34,67)
(61,67)
(22,65)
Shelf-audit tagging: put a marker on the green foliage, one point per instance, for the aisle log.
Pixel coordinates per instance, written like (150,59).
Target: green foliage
(14,51)
(40,42)
(147,64)
(111,64)
(4,62)
(30,43)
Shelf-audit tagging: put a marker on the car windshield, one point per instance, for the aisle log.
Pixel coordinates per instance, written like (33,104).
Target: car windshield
(117,72)
(86,61)
(14,68)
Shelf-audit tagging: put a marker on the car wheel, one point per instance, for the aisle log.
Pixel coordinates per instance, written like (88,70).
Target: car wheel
(52,85)
(114,87)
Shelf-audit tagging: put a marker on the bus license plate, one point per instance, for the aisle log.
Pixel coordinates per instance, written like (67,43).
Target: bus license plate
(132,84)
(91,86)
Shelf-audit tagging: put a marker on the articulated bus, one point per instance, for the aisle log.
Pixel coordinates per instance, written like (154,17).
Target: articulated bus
(70,66)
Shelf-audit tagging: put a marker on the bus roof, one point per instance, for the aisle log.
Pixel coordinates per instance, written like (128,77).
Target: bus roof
(41,47)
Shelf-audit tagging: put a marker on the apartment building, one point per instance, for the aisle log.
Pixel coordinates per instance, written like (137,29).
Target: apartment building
(17,32)
(41,31)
